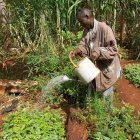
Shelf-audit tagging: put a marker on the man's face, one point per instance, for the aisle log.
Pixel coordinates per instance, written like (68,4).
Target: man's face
(85,21)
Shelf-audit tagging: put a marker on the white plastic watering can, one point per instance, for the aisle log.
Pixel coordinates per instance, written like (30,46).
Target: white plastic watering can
(85,70)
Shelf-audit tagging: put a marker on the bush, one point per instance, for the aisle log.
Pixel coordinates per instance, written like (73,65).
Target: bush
(119,124)
(74,90)
(71,38)
(132,73)
(51,66)
(34,126)
(42,64)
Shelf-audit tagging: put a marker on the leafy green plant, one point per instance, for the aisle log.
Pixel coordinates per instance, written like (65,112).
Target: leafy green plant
(70,38)
(51,66)
(132,73)
(42,64)
(119,124)
(51,96)
(74,90)
(46,125)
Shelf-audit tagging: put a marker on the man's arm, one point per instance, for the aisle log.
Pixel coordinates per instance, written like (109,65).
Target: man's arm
(106,52)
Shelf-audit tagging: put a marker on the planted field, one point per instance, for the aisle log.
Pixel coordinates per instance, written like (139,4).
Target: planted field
(41,97)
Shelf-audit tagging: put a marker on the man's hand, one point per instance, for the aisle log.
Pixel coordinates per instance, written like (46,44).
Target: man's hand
(77,52)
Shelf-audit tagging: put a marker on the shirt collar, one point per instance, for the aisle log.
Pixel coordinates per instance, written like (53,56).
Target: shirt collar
(94,29)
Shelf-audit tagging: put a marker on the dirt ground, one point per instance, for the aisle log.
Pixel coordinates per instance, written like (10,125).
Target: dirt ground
(74,129)
(127,91)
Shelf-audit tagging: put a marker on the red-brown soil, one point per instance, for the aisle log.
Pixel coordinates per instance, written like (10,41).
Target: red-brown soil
(127,91)
(75,130)
(1,120)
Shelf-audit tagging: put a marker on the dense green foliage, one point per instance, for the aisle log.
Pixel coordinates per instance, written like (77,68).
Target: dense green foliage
(119,124)
(51,66)
(104,123)
(132,73)
(32,22)
(46,125)
(42,64)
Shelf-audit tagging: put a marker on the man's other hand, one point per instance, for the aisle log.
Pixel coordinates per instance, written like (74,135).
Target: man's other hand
(77,52)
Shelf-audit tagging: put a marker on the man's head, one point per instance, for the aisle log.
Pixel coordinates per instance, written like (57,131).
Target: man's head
(86,18)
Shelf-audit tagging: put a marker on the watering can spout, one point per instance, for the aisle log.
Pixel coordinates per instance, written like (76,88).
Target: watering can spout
(66,78)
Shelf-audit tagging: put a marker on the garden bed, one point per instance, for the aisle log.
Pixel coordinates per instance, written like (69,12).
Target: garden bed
(127,91)
(83,124)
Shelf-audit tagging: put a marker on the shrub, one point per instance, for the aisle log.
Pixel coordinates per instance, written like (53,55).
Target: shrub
(74,89)
(42,64)
(51,66)
(132,73)
(119,124)
(34,126)
(71,38)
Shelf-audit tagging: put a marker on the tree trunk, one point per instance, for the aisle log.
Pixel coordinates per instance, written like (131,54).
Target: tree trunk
(114,17)
(58,20)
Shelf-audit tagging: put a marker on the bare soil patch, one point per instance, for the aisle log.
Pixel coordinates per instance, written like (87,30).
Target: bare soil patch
(127,91)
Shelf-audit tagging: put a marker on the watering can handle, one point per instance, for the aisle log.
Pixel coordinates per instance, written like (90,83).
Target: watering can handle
(74,64)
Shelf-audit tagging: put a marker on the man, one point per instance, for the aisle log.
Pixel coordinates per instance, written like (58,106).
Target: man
(99,44)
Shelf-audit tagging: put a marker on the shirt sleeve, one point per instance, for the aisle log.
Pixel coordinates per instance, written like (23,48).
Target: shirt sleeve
(109,51)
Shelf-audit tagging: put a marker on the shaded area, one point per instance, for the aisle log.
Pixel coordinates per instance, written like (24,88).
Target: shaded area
(11,107)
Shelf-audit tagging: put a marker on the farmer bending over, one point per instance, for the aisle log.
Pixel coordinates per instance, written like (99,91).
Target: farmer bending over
(98,43)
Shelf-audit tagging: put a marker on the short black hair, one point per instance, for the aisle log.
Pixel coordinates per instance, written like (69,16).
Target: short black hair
(84,12)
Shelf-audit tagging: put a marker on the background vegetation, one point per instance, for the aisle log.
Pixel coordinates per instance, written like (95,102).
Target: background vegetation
(42,24)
